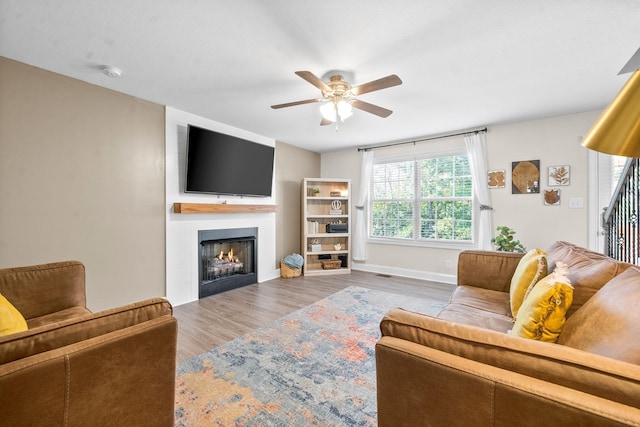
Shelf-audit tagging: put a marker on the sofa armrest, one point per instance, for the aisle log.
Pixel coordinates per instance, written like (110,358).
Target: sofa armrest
(125,377)
(38,290)
(422,386)
(49,337)
(487,269)
(579,370)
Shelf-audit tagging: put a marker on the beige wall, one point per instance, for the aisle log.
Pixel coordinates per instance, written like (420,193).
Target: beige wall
(82,177)
(292,165)
(553,141)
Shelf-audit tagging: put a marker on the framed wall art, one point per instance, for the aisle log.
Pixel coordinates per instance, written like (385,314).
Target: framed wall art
(551,197)
(525,177)
(496,178)
(559,175)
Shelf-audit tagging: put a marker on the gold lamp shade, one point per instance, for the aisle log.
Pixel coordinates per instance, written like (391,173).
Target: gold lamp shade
(617,130)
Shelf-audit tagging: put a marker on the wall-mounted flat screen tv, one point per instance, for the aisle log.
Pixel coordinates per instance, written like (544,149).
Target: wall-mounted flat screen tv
(223,164)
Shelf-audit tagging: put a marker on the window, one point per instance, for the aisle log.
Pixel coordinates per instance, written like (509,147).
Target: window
(422,200)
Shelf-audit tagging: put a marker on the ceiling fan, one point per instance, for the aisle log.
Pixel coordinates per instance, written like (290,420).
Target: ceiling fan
(339,96)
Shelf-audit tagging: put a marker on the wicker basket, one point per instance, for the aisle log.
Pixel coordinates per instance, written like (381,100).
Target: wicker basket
(288,272)
(331,264)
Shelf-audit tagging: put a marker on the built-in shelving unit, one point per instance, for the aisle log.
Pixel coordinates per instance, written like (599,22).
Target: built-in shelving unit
(326,201)
(185,208)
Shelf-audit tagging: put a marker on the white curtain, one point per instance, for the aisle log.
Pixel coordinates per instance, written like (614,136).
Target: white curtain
(359,250)
(476,149)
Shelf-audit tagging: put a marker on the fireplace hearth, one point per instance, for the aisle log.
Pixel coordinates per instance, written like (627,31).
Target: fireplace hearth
(228,259)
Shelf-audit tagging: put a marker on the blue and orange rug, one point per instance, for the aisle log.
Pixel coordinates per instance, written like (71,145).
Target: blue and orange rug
(315,366)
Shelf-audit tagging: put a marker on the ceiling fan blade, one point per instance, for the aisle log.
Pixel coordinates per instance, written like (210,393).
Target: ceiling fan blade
(382,83)
(325,122)
(291,104)
(370,108)
(314,80)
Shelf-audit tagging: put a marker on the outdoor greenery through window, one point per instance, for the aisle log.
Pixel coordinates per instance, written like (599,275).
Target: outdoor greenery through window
(428,199)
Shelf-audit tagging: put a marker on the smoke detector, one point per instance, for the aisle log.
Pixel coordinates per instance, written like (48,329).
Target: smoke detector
(111,71)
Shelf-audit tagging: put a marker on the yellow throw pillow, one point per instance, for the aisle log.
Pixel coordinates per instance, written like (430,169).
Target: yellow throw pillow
(542,314)
(11,320)
(531,268)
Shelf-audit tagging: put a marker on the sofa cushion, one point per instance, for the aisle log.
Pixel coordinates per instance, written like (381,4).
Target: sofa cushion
(542,314)
(11,321)
(531,268)
(588,270)
(609,323)
(479,307)
(496,302)
(52,336)
(58,316)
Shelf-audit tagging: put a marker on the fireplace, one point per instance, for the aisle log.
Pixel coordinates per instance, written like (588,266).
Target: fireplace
(228,259)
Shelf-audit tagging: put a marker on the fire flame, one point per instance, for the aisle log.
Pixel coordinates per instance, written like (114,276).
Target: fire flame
(230,256)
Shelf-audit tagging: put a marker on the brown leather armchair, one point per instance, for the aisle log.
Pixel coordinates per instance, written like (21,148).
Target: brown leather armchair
(77,368)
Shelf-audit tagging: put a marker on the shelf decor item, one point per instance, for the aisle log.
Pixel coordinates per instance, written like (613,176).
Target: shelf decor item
(336,207)
(331,264)
(315,246)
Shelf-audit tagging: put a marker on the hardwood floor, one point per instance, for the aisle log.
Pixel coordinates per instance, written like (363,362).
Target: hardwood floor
(212,321)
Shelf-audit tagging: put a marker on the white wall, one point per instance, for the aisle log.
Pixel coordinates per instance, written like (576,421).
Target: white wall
(554,141)
(182,229)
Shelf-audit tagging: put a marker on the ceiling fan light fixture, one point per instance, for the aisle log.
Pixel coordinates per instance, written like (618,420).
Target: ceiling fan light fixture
(336,109)
(344,110)
(328,111)
(339,98)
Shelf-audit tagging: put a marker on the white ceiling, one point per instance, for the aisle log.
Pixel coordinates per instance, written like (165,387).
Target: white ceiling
(464,63)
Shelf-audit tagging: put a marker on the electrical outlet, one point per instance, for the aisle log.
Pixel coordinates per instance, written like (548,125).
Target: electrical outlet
(448,264)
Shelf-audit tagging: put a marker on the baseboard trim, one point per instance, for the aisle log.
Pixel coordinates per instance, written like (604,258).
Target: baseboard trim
(403,272)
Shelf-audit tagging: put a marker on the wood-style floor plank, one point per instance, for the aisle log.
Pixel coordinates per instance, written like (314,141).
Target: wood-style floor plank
(214,320)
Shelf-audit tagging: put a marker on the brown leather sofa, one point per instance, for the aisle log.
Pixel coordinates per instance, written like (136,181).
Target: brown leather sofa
(77,368)
(462,368)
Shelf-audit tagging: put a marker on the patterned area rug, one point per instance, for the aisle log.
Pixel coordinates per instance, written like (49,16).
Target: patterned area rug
(313,367)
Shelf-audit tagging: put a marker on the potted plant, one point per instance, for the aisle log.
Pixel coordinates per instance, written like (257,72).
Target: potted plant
(505,241)
(315,191)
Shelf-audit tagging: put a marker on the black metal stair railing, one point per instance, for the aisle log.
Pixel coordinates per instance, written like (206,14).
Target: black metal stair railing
(620,220)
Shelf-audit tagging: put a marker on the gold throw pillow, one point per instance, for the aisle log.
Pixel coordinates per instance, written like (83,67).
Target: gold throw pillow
(531,268)
(542,314)
(11,320)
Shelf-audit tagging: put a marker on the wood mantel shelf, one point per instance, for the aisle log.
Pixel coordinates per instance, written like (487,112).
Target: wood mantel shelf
(184,208)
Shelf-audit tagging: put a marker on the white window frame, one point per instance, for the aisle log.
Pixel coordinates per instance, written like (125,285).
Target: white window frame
(416,241)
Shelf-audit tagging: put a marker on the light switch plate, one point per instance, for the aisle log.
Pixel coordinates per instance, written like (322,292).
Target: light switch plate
(576,202)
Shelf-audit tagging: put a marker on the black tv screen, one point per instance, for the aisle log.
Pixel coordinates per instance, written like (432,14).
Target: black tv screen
(223,164)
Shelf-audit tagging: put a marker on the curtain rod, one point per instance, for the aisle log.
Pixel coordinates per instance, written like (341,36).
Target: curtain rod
(393,144)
